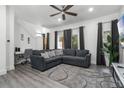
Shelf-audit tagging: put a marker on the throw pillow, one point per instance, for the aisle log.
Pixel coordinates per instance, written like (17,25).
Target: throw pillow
(70,52)
(45,55)
(81,53)
(59,52)
(51,53)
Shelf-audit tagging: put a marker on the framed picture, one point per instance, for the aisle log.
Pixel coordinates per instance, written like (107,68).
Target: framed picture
(28,40)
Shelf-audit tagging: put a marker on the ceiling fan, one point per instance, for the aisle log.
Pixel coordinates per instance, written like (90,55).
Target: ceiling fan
(63,11)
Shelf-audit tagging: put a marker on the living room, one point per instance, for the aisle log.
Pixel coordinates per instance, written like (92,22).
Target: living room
(38,41)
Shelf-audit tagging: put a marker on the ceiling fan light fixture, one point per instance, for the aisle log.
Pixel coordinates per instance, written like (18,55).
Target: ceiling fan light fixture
(59,19)
(62,12)
(91,9)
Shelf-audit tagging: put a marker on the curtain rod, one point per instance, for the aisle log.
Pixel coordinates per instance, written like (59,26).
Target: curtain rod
(106,22)
(77,27)
(84,26)
(74,28)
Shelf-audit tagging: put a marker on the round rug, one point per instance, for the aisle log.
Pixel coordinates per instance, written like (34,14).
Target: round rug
(76,82)
(58,74)
(107,84)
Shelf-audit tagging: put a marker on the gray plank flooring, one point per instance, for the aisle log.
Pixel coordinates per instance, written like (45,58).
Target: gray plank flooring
(25,77)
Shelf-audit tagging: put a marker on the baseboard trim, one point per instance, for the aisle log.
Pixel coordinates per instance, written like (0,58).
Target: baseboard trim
(2,72)
(10,68)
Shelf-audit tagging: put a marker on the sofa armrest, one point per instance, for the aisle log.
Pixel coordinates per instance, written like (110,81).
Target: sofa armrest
(88,59)
(38,62)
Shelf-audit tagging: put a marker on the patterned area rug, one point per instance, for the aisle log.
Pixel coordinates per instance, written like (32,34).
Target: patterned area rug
(78,77)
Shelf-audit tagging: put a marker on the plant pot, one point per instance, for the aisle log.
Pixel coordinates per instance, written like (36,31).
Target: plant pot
(107,59)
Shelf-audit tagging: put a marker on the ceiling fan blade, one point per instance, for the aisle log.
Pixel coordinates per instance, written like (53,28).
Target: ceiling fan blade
(63,16)
(67,7)
(71,13)
(55,7)
(63,6)
(55,14)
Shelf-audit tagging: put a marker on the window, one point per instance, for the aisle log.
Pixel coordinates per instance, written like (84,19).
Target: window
(105,34)
(75,42)
(106,31)
(75,39)
(60,40)
(45,42)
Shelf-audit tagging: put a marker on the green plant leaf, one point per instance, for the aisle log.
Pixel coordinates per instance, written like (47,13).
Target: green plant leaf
(106,50)
(105,45)
(109,38)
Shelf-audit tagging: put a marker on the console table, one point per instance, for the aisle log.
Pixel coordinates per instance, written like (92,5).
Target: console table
(118,74)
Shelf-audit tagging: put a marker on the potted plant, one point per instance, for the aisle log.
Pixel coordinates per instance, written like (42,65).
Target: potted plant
(108,48)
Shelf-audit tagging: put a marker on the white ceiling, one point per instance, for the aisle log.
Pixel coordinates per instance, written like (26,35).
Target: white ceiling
(39,14)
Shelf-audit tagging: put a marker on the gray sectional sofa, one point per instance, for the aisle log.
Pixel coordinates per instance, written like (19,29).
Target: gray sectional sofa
(75,57)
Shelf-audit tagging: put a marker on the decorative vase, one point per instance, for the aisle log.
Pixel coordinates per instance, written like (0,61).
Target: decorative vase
(107,59)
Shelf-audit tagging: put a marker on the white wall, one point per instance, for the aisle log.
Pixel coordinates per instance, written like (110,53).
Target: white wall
(90,32)
(39,43)
(29,30)
(20,29)
(10,36)
(122,11)
(7,33)
(2,39)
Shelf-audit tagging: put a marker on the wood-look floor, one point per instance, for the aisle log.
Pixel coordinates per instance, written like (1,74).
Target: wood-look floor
(25,77)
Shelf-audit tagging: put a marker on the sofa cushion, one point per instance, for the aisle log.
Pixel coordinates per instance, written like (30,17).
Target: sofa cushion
(53,59)
(45,55)
(73,59)
(51,53)
(58,52)
(81,53)
(37,52)
(70,52)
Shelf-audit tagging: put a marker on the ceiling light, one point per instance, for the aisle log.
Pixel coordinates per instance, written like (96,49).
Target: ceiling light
(59,19)
(43,29)
(91,9)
